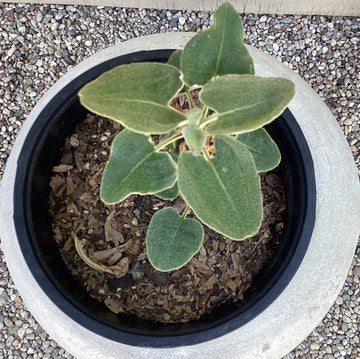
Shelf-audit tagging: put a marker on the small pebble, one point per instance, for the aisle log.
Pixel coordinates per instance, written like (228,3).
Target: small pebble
(21,332)
(8,322)
(182,20)
(9,341)
(39,16)
(314,346)
(339,300)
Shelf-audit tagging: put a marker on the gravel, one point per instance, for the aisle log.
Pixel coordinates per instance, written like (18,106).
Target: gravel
(39,43)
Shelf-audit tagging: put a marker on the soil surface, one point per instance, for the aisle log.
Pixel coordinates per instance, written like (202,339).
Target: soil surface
(104,246)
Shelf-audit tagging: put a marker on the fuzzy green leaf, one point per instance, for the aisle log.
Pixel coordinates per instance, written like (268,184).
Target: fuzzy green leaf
(244,103)
(137,96)
(171,240)
(194,116)
(195,138)
(217,51)
(172,192)
(175,58)
(223,192)
(135,167)
(169,194)
(263,148)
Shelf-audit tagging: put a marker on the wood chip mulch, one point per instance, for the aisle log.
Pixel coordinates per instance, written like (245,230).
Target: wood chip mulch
(104,246)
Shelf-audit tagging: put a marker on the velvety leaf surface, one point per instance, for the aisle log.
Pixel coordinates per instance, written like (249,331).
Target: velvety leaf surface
(194,116)
(169,194)
(137,96)
(217,51)
(245,102)
(223,192)
(172,192)
(175,58)
(263,148)
(171,240)
(194,137)
(135,167)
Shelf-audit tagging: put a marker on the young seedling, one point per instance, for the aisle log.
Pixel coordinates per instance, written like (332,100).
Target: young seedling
(220,185)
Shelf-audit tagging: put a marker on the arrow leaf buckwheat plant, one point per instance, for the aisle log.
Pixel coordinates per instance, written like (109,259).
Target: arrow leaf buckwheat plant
(224,144)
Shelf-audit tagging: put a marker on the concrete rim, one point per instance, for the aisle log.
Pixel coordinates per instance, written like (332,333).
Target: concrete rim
(310,293)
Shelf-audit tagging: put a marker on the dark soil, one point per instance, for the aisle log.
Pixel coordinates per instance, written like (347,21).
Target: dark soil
(112,239)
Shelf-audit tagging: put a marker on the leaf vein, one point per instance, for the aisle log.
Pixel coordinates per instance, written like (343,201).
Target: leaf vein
(232,111)
(132,171)
(221,48)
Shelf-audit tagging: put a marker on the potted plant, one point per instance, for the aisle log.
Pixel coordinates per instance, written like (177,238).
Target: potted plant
(221,187)
(87,329)
(206,159)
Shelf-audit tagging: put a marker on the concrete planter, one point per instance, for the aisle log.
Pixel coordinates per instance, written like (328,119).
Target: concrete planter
(310,285)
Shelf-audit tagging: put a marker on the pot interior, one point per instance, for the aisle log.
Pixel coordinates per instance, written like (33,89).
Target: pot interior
(39,154)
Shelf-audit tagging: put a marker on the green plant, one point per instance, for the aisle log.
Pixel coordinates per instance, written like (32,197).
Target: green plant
(222,189)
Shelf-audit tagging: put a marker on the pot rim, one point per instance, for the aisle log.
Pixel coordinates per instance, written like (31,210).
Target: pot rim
(55,122)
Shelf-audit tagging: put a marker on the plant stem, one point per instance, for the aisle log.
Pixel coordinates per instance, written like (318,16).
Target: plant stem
(206,154)
(189,98)
(208,121)
(185,211)
(168,141)
(205,110)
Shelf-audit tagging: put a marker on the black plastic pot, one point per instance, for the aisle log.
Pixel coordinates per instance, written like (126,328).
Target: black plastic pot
(33,228)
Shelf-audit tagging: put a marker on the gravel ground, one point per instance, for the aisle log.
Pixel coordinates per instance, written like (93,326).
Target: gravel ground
(38,44)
